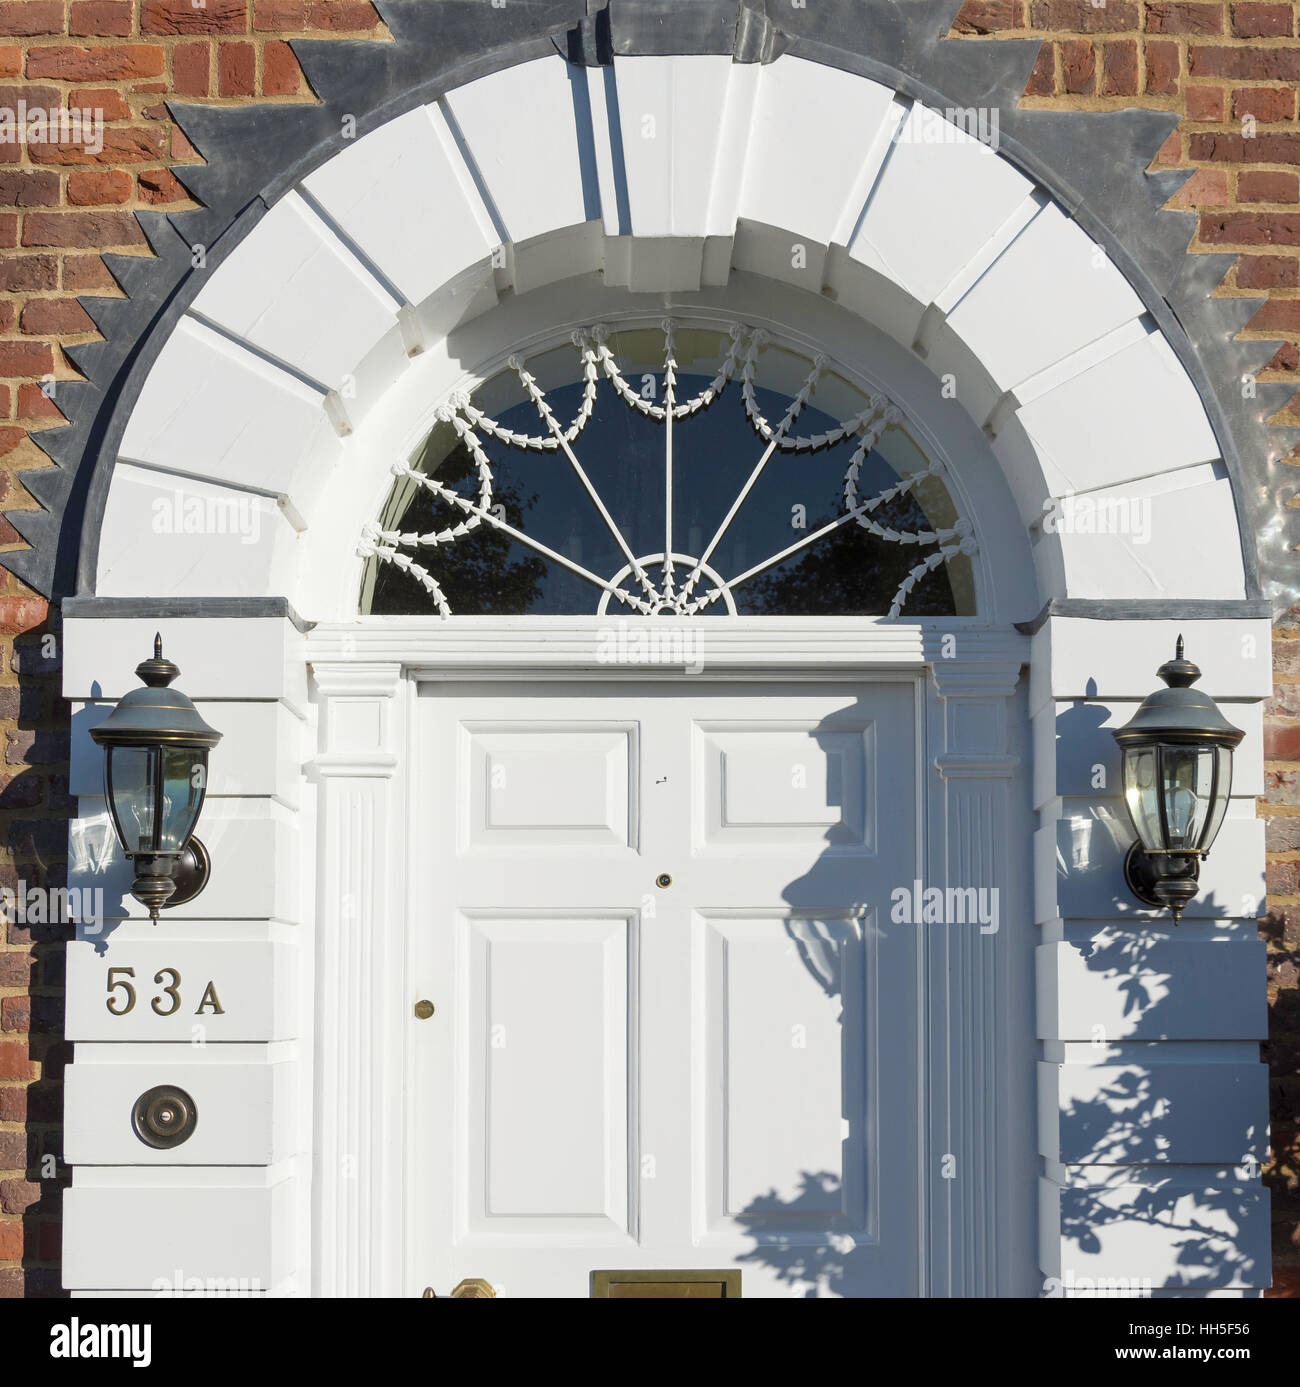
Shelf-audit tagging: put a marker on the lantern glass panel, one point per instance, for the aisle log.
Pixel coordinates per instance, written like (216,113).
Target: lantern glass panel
(1222,789)
(184,774)
(131,781)
(1142,795)
(1187,785)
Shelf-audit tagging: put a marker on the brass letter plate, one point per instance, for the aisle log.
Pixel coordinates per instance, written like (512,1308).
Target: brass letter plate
(666,1285)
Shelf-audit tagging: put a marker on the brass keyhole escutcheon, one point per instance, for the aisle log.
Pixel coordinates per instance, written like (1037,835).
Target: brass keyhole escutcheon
(663,880)
(424,1010)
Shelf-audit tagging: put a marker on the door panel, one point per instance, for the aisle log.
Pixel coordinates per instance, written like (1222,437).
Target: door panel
(789,784)
(675,1027)
(786,1056)
(558,786)
(547,996)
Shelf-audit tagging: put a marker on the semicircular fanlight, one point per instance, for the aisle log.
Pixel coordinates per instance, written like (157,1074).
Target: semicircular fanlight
(682,470)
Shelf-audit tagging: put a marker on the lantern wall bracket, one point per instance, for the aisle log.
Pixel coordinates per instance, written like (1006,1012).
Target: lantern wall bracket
(190,873)
(1143,869)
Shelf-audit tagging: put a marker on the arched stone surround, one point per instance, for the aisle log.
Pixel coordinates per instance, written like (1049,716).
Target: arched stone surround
(323,401)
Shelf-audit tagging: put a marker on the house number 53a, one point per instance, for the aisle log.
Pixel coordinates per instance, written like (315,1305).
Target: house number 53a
(121,993)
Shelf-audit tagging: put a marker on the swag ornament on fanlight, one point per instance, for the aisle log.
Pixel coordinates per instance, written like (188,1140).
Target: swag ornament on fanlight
(685,584)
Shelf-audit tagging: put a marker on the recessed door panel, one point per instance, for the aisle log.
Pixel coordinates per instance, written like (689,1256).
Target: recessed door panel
(547,1021)
(548,786)
(786,1054)
(792,786)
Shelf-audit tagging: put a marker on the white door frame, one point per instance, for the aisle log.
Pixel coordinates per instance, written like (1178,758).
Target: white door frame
(977,1147)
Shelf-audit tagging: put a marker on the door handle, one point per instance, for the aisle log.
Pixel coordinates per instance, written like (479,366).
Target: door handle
(472,1288)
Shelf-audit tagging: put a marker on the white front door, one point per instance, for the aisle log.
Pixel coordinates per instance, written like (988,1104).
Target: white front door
(674,1027)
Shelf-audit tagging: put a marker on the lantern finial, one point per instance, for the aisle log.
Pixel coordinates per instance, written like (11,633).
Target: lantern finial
(1178,649)
(1179,673)
(158,672)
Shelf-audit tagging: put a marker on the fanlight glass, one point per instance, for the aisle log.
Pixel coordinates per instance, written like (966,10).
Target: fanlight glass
(155,794)
(1177,794)
(670,469)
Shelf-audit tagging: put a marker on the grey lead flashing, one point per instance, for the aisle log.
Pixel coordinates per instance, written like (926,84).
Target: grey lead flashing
(182,608)
(1157,609)
(662,28)
(1091,162)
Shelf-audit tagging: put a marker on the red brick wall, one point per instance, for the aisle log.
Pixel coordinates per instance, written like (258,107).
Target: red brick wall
(60,207)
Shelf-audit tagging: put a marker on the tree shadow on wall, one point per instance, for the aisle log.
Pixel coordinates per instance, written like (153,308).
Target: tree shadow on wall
(1133,1218)
(1132,1221)
(1159,1157)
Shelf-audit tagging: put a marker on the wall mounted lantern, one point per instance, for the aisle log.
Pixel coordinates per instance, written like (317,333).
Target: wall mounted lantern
(155,776)
(1177,778)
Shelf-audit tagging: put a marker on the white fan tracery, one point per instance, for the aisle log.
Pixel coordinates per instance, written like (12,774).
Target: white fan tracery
(647,597)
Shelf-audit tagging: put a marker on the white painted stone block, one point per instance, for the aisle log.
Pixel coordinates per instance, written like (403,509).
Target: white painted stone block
(185,537)
(1161,537)
(139,1229)
(666,106)
(1153,420)
(1192,1229)
(557,255)
(100,656)
(212,409)
(405,196)
(532,168)
(1143,987)
(812,152)
(1078,657)
(1079,866)
(253,981)
(1076,755)
(1049,294)
(259,753)
(775,254)
(254,845)
(244,1102)
(294,290)
(1153,1110)
(941,195)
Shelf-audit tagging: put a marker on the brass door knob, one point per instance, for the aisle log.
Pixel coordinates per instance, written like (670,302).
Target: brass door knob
(474,1288)
(424,1010)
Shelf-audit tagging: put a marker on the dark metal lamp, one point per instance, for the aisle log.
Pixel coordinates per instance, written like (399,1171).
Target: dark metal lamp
(155,777)
(1177,779)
